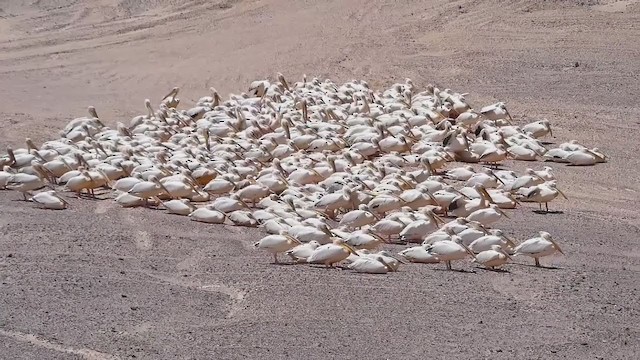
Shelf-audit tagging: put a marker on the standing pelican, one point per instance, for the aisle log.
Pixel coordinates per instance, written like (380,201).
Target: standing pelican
(538,247)
(277,244)
(449,250)
(542,193)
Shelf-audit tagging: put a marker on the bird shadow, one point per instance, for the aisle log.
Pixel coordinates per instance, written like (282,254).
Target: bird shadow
(323,267)
(537,267)
(547,142)
(550,212)
(284,264)
(505,271)
(463,271)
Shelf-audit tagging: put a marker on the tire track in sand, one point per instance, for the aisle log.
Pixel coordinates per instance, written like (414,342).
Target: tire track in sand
(44,343)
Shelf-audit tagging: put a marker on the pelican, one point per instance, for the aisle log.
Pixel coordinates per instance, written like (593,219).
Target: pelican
(538,129)
(582,157)
(178,207)
(418,229)
(388,227)
(358,218)
(419,254)
(485,242)
(242,218)
(497,111)
(487,216)
(363,239)
(24,183)
(276,244)
(50,200)
(147,189)
(370,265)
(492,258)
(542,193)
(331,254)
(449,250)
(301,253)
(207,215)
(538,247)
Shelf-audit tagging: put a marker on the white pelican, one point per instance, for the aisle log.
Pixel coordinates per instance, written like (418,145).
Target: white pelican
(146,189)
(538,247)
(497,111)
(363,239)
(24,183)
(461,207)
(277,244)
(302,252)
(178,207)
(388,227)
(487,216)
(492,258)
(449,250)
(356,219)
(418,229)
(485,242)
(242,218)
(207,215)
(542,193)
(371,264)
(538,129)
(128,200)
(229,204)
(419,254)
(50,200)
(330,254)
(582,157)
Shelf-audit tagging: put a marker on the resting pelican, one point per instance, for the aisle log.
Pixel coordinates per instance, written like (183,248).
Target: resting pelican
(207,215)
(302,252)
(355,219)
(371,265)
(363,239)
(331,254)
(496,256)
(50,200)
(487,216)
(538,129)
(277,244)
(419,254)
(178,206)
(538,247)
(449,250)
(485,242)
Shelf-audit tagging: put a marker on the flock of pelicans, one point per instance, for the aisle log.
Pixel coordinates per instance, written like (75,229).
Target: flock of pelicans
(331,172)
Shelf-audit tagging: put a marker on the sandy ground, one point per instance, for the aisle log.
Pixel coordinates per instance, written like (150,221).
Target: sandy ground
(100,282)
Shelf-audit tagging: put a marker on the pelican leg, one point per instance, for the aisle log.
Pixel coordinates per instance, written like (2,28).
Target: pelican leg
(537,262)
(546,205)
(449,265)
(24,196)
(275,258)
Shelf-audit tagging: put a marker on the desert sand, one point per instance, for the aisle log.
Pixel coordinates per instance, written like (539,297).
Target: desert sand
(100,282)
